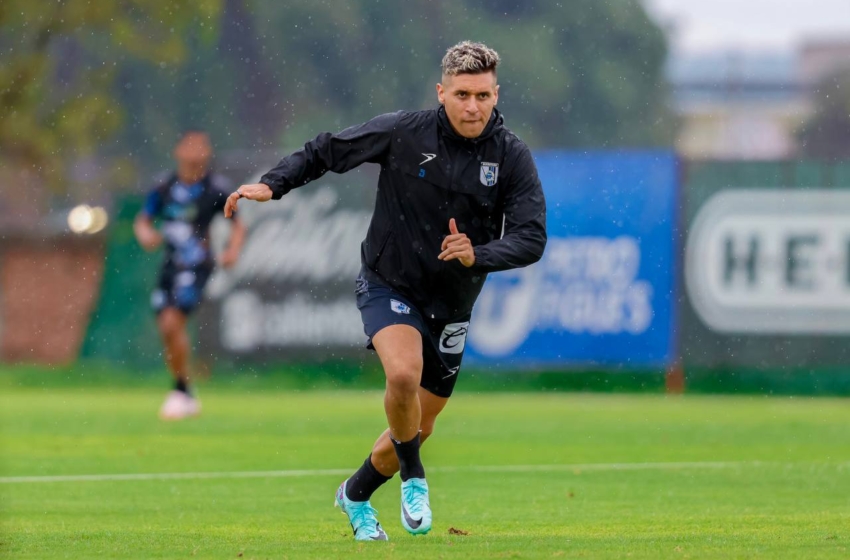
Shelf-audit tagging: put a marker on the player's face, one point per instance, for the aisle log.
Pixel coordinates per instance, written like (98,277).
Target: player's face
(193,154)
(469,100)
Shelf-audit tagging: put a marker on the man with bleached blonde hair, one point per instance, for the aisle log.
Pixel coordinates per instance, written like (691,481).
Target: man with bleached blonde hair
(458,198)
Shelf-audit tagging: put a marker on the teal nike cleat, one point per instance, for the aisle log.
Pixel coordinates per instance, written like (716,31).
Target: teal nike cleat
(361,515)
(415,506)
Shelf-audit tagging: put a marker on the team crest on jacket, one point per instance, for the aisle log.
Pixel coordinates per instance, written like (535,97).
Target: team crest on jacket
(489,173)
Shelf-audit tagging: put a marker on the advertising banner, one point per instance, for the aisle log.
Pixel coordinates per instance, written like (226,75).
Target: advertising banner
(604,291)
(770,261)
(767,266)
(291,294)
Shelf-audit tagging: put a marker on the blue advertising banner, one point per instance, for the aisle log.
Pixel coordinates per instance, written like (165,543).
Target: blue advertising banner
(604,292)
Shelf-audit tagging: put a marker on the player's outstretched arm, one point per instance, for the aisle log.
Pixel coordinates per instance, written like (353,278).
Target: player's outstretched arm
(146,234)
(230,254)
(341,152)
(255,191)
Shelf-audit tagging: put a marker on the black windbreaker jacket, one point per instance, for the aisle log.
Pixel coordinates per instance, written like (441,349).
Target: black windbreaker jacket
(430,174)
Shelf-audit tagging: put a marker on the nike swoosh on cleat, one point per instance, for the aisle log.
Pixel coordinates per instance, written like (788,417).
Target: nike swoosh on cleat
(414,523)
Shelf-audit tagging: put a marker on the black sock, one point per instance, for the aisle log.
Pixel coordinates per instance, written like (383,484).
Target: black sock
(410,465)
(364,482)
(182,386)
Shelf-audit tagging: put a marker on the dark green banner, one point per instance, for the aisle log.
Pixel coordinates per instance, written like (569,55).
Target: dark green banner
(766,276)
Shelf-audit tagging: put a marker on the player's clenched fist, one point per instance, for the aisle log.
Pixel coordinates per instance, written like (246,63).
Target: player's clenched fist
(256,191)
(457,245)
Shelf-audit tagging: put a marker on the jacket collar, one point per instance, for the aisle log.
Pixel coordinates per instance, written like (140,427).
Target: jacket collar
(496,123)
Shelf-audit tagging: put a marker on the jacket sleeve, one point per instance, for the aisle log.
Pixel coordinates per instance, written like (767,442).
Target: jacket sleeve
(365,143)
(524,235)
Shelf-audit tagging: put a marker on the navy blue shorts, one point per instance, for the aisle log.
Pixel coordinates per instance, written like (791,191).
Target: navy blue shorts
(180,287)
(442,342)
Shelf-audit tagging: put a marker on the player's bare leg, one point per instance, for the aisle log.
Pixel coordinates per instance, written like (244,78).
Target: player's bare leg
(400,350)
(172,327)
(411,412)
(384,458)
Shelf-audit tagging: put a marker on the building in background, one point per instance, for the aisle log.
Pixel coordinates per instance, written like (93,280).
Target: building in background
(820,59)
(737,105)
(748,105)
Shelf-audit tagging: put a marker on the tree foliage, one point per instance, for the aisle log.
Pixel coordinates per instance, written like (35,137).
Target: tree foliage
(584,73)
(58,71)
(122,78)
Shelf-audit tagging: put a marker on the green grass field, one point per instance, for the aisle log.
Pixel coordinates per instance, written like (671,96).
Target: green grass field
(522,475)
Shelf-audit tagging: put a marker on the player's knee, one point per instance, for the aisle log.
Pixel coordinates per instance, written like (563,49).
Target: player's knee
(405,376)
(407,384)
(170,322)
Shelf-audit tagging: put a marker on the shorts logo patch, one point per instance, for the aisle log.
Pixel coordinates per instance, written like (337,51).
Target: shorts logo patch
(399,307)
(453,339)
(184,279)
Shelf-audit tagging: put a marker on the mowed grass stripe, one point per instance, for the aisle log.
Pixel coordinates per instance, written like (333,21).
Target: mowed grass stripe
(579,467)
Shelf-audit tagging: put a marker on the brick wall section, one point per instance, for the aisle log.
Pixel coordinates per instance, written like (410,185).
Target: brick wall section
(48,290)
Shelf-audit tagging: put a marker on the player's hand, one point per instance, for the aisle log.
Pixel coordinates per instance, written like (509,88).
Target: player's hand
(150,240)
(147,235)
(457,245)
(256,191)
(228,258)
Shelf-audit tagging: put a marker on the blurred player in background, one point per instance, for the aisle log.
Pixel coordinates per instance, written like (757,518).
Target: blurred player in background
(458,197)
(185,201)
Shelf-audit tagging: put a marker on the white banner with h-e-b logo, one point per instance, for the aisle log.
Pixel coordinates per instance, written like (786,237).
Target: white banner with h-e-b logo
(771,261)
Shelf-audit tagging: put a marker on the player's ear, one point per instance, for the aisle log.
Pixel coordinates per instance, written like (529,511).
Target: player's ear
(441,94)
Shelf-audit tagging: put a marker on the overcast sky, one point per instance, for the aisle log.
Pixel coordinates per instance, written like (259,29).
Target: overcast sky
(701,25)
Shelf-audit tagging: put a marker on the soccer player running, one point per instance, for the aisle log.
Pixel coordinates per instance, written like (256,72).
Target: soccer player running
(186,201)
(458,198)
